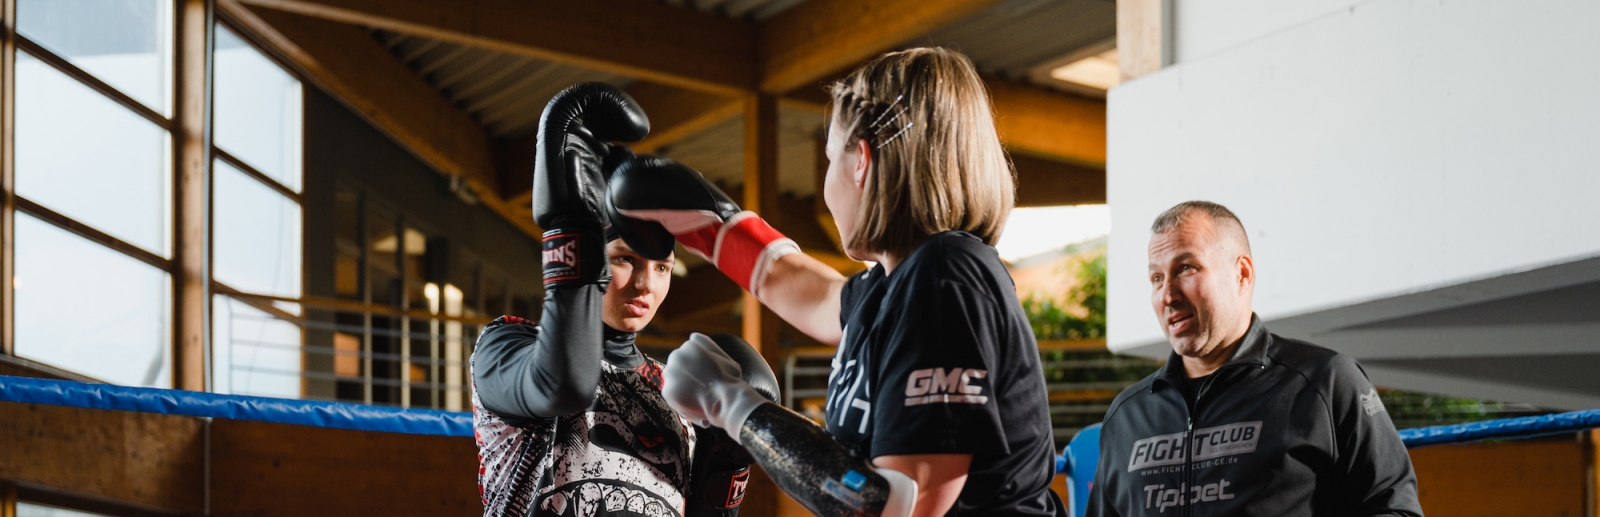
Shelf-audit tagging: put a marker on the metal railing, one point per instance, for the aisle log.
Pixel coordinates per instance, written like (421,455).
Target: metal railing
(339,350)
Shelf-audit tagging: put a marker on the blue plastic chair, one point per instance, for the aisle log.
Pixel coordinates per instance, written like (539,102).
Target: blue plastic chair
(1078,461)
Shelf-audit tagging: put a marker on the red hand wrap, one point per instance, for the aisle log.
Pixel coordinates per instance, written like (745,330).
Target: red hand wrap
(741,246)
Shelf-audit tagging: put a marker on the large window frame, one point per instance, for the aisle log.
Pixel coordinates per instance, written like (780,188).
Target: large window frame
(11,202)
(192,248)
(192,155)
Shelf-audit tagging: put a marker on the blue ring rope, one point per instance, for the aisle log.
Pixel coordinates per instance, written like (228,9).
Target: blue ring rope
(336,415)
(1521,427)
(359,417)
(1509,428)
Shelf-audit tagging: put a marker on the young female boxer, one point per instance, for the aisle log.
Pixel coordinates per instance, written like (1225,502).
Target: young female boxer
(568,414)
(937,402)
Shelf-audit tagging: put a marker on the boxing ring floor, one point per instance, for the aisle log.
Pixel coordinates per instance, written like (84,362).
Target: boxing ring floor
(1077,459)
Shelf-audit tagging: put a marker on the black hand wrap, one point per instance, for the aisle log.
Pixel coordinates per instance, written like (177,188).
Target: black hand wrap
(721,465)
(569,185)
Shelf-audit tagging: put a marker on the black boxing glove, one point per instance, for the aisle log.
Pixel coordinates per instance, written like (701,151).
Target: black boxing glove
(574,138)
(721,466)
(647,238)
(700,216)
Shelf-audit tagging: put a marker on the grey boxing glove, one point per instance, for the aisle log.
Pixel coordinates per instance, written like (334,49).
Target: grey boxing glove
(722,466)
(704,384)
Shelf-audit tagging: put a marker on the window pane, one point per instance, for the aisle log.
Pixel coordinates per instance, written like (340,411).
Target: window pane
(253,352)
(89,158)
(126,43)
(85,308)
(255,234)
(257,110)
(381,261)
(36,510)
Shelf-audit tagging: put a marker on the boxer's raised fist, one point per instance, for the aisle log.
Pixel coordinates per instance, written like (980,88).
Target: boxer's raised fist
(574,138)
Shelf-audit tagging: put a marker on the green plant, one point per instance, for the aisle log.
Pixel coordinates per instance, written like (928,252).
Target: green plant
(1052,320)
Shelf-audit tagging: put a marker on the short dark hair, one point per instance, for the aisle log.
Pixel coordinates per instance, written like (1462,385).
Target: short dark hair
(1170,219)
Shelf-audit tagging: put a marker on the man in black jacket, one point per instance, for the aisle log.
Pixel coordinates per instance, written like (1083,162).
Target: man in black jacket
(1240,421)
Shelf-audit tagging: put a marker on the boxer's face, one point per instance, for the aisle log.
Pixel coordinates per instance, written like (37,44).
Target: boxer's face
(1199,287)
(841,188)
(637,287)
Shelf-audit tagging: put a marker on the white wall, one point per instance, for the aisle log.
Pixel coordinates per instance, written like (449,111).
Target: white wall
(1376,149)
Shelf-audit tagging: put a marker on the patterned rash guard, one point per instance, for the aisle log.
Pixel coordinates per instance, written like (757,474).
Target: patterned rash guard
(627,455)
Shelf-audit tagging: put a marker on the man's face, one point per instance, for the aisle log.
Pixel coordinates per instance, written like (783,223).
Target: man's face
(637,287)
(1200,286)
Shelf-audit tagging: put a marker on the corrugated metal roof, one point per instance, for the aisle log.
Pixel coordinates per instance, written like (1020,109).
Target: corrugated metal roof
(718,152)
(505,93)
(753,10)
(1015,38)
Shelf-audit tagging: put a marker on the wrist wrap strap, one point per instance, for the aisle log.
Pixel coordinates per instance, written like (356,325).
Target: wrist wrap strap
(574,256)
(746,247)
(723,490)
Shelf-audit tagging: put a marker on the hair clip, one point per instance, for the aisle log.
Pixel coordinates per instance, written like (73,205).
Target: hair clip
(877,124)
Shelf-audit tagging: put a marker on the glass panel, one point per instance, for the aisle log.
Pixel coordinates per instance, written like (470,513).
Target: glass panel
(522,305)
(89,309)
(89,158)
(257,109)
(37,510)
(126,43)
(416,264)
(495,301)
(381,255)
(256,234)
(347,244)
(254,352)
(466,279)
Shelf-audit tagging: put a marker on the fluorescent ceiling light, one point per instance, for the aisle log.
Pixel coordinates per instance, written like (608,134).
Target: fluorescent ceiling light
(1096,71)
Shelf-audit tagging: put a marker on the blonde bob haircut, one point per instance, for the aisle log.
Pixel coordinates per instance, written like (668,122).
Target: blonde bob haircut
(937,164)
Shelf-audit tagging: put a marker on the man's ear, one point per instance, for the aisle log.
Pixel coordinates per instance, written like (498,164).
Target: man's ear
(1247,272)
(863,164)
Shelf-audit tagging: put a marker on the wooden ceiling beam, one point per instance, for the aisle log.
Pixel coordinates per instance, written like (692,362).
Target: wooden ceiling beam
(351,65)
(819,38)
(1042,182)
(1031,120)
(676,113)
(637,38)
(1049,124)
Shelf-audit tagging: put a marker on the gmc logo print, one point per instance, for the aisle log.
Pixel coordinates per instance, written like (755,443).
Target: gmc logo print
(938,385)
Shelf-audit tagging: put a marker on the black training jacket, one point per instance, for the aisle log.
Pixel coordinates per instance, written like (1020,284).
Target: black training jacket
(1284,428)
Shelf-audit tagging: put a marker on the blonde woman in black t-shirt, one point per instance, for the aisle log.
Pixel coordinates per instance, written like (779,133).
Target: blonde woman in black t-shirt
(937,402)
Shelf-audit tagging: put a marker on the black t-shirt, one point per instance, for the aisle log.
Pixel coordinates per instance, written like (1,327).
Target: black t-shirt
(1191,387)
(939,359)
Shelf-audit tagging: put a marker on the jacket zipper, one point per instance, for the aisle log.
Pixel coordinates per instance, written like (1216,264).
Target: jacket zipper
(1188,438)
